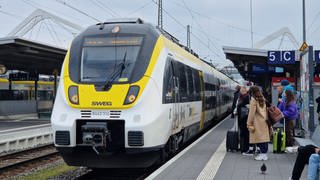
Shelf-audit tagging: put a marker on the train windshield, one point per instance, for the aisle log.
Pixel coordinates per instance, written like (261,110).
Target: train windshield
(109,59)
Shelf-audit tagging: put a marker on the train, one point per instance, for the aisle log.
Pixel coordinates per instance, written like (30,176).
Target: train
(130,96)
(25,90)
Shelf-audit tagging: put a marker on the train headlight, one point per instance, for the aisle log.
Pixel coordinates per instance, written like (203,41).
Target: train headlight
(132,95)
(73,94)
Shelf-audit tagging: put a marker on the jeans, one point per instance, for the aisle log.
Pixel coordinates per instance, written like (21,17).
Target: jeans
(304,153)
(313,169)
(263,147)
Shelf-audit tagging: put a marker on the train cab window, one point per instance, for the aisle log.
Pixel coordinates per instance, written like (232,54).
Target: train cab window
(168,83)
(108,58)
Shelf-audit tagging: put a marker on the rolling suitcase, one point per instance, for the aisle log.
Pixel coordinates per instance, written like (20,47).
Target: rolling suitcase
(279,139)
(232,142)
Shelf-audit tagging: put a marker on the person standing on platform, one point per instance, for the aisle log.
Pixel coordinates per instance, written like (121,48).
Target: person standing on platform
(257,123)
(242,112)
(235,98)
(285,86)
(290,112)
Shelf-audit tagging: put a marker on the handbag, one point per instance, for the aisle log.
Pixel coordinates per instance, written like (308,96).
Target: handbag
(274,114)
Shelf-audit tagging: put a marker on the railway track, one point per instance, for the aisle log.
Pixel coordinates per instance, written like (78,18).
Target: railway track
(15,163)
(133,174)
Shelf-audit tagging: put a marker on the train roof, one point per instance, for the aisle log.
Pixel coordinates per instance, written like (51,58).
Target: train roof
(138,26)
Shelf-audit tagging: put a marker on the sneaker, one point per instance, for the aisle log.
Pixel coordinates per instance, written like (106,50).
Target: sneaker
(261,157)
(248,153)
(290,149)
(295,149)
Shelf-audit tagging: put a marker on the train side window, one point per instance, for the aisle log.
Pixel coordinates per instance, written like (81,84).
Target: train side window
(182,82)
(197,84)
(191,93)
(168,85)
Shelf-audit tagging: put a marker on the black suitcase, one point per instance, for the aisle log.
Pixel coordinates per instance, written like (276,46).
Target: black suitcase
(232,142)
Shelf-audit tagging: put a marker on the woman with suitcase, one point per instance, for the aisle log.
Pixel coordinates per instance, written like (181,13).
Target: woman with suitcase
(242,112)
(290,112)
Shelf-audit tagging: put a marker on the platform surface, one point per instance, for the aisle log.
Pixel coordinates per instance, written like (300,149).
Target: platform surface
(207,159)
(13,124)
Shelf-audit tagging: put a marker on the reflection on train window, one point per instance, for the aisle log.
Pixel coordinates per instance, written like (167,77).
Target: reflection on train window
(168,84)
(191,91)
(108,61)
(197,84)
(182,82)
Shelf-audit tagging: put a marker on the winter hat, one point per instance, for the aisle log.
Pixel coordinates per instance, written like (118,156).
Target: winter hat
(284,82)
(288,88)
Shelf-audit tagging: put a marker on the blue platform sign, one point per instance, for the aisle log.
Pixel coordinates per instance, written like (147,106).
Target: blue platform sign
(317,56)
(281,57)
(288,57)
(274,57)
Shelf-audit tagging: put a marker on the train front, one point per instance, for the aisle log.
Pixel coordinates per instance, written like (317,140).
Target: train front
(104,75)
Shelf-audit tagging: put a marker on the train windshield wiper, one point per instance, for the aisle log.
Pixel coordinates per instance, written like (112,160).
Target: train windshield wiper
(116,73)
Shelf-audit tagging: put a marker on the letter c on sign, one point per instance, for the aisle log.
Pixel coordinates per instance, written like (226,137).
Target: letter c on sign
(285,57)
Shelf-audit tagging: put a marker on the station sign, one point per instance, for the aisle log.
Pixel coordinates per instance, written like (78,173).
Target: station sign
(281,57)
(303,47)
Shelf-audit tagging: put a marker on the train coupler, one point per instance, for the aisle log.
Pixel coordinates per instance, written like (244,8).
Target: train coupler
(97,135)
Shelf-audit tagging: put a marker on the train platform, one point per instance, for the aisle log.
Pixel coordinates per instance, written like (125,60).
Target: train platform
(8,124)
(207,158)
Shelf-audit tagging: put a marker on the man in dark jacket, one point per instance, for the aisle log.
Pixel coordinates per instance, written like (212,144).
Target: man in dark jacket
(235,98)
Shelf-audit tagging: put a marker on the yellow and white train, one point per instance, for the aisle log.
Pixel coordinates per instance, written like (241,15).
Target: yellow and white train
(129,95)
(25,90)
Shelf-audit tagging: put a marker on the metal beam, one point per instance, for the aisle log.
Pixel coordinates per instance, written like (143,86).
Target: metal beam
(281,32)
(37,16)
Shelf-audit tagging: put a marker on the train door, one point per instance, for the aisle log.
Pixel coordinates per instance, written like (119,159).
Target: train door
(171,93)
(176,96)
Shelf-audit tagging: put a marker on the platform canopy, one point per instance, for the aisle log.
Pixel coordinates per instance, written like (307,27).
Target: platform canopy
(253,66)
(30,56)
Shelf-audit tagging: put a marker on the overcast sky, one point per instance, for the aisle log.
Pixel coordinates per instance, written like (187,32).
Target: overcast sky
(214,23)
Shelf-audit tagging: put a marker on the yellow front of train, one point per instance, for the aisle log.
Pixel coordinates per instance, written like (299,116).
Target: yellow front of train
(104,73)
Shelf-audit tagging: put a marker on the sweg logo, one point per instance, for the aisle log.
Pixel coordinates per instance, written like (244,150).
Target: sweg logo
(101,103)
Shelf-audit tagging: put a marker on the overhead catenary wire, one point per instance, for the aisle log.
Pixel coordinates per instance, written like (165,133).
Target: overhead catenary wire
(10,14)
(107,7)
(139,8)
(103,8)
(40,6)
(313,21)
(178,22)
(220,21)
(78,10)
(200,26)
